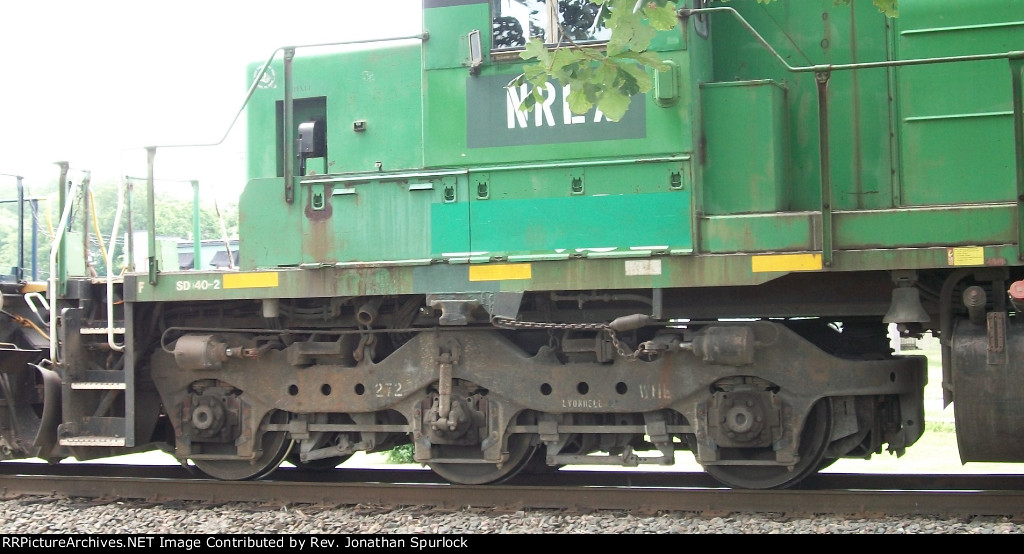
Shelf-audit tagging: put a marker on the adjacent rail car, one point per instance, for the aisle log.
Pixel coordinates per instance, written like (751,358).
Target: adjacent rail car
(716,272)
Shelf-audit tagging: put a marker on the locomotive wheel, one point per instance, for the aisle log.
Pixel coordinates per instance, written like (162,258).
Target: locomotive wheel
(322,464)
(275,446)
(813,442)
(538,464)
(826,462)
(520,451)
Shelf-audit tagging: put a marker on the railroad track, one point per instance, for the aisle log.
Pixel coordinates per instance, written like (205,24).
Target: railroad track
(860,495)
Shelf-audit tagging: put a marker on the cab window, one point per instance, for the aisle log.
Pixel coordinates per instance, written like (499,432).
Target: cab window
(514,22)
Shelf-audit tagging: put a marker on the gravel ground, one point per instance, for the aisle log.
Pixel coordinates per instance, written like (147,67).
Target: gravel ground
(36,516)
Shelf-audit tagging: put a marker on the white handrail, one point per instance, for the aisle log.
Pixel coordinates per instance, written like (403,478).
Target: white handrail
(54,271)
(30,301)
(110,270)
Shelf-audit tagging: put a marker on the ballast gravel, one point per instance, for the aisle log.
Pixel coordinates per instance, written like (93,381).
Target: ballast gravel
(53,515)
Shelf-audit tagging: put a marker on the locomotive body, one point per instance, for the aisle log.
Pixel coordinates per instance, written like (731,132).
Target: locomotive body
(422,262)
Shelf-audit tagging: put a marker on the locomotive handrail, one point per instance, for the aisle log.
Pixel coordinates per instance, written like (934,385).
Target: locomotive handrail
(824,68)
(586,163)
(262,71)
(58,241)
(20,270)
(30,301)
(110,269)
(377,176)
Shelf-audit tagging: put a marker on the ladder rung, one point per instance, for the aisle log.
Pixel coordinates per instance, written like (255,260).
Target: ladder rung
(92,441)
(103,280)
(100,331)
(97,386)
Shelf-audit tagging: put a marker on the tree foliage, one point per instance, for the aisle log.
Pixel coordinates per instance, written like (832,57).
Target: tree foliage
(609,77)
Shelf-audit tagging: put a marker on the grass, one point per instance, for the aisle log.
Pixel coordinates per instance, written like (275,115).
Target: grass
(400,455)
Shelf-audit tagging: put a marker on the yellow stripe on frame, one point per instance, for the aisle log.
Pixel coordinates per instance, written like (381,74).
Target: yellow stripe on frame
(264,280)
(500,272)
(33,287)
(786,262)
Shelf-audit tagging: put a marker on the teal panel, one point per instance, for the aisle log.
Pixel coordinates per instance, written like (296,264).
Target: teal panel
(449,224)
(387,220)
(583,224)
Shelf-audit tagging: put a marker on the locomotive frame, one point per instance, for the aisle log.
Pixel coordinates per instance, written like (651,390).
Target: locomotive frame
(422,263)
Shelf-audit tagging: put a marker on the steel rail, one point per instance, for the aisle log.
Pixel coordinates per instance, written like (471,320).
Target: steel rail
(639,499)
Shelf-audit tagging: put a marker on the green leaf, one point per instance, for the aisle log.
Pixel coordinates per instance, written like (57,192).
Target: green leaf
(614,104)
(528,103)
(605,74)
(535,50)
(661,17)
(888,7)
(564,62)
(642,37)
(650,59)
(638,75)
(518,81)
(535,73)
(578,102)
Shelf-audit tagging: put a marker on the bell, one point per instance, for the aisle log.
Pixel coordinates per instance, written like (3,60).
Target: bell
(906,307)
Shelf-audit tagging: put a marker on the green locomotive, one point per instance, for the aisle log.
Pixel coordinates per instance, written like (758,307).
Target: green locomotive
(422,262)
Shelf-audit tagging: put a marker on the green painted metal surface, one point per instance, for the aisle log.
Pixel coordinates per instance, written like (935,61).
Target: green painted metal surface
(388,220)
(449,27)
(379,89)
(269,230)
(774,232)
(704,175)
(745,161)
(809,33)
(946,226)
(956,120)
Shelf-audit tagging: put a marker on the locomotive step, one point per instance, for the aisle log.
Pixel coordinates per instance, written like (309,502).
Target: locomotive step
(92,441)
(97,380)
(97,386)
(100,331)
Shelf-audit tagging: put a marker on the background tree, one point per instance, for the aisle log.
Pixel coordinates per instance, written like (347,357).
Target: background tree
(173,220)
(580,18)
